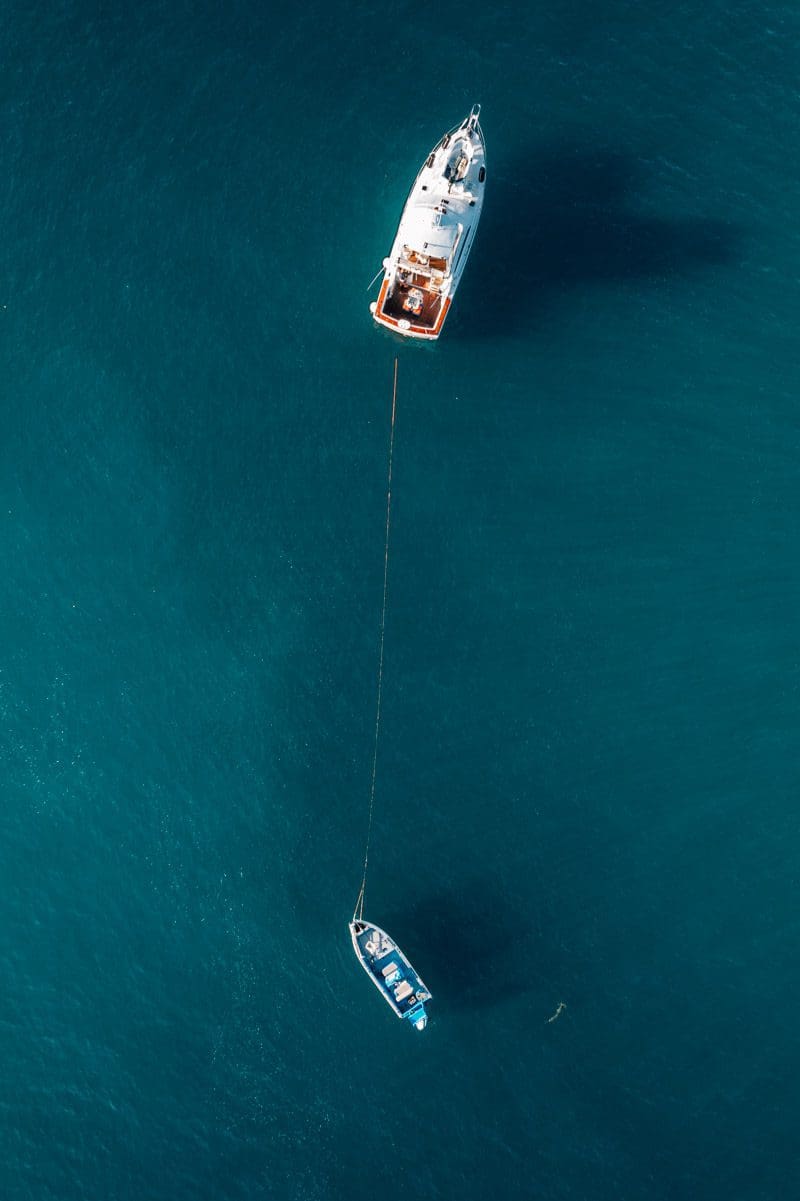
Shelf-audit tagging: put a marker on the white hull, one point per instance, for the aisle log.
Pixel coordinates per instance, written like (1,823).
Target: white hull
(435,235)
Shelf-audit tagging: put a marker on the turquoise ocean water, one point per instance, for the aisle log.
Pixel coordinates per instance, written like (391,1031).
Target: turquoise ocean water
(588,774)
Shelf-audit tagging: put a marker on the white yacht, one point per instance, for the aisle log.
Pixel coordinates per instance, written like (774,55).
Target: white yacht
(435,235)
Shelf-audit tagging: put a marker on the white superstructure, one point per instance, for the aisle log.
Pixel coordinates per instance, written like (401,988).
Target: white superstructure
(435,234)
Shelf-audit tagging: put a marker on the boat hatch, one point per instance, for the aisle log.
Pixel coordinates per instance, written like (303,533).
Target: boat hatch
(457,165)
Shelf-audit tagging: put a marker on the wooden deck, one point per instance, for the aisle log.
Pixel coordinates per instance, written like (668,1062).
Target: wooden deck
(394,305)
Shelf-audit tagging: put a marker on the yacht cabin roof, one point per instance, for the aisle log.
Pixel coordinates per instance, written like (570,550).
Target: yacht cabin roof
(420,233)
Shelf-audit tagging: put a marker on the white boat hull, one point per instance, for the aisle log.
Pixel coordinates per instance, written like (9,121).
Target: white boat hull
(435,235)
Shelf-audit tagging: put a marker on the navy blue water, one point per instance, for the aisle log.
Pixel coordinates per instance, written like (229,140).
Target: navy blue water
(588,773)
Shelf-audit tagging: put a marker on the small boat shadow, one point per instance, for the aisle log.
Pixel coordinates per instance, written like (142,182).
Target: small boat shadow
(470,950)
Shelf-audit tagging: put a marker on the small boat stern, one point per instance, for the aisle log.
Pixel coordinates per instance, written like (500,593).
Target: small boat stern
(418,1017)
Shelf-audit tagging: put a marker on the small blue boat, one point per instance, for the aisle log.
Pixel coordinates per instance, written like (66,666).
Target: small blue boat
(390,972)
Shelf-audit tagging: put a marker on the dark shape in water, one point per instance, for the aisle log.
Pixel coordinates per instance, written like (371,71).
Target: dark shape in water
(478,941)
(578,222)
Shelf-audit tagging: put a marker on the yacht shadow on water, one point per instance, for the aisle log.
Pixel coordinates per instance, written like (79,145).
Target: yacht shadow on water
(567,218)
(468,947)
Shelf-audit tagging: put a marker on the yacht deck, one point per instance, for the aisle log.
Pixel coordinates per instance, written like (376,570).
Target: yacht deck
(414,301)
